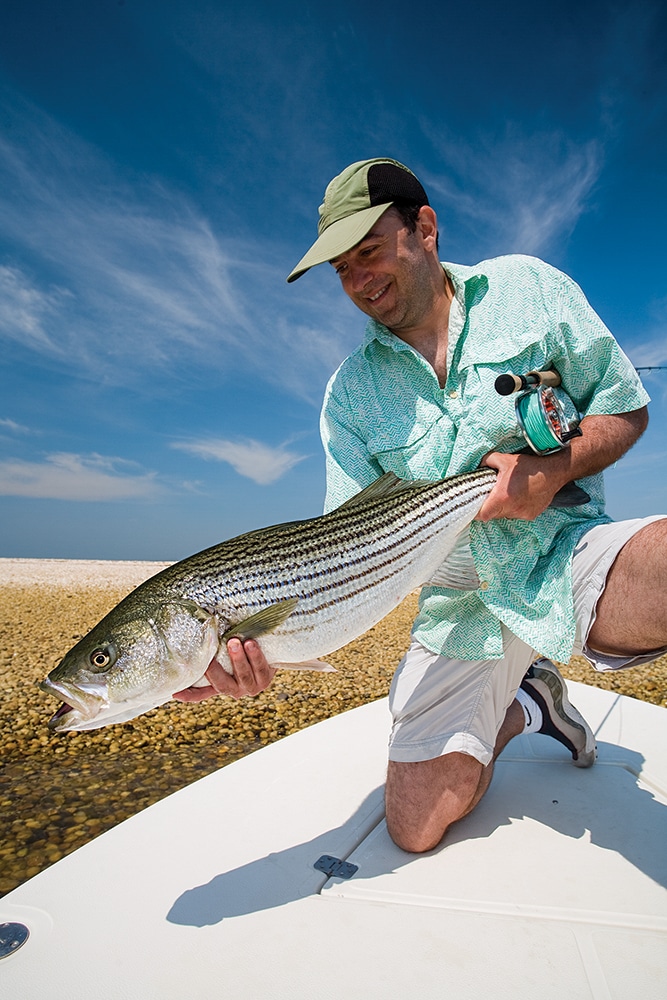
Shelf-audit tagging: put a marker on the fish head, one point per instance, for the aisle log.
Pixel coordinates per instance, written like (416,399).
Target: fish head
(132,661)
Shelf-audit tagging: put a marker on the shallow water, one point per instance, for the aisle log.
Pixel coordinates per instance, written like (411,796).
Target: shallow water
(58,791)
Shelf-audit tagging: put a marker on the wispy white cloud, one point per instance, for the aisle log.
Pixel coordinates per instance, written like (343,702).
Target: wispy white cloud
(648,349)
(651,352)
(25,308)
(65,476)
(252,459)
(127,279)
(11,425)
(515,192)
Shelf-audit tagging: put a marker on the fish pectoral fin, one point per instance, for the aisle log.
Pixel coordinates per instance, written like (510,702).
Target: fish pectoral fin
(266,620)
(201,614)
(457,571)
(320,665)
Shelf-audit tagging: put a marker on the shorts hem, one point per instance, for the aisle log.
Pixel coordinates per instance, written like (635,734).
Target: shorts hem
(604,663)
(592,561)
(414,752)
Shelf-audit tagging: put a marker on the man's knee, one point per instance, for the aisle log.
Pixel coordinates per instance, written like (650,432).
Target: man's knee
(423,798)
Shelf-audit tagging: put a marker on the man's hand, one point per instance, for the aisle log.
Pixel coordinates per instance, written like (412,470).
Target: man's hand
(525,487)
(527,484)
(252,674)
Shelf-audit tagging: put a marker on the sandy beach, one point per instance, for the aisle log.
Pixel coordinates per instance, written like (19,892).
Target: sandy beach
(59,791)
(76,573)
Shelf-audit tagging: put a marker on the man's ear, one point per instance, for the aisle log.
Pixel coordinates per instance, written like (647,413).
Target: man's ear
(427,226)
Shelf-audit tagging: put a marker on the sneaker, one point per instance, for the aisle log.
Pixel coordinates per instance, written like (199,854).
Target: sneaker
(561,720)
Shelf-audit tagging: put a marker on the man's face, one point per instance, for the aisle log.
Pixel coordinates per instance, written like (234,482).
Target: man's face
(388,274)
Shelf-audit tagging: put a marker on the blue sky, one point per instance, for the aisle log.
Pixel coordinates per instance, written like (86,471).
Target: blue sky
(161,164)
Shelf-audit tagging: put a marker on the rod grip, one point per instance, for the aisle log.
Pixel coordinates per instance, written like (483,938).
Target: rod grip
(505,385)
(546,378)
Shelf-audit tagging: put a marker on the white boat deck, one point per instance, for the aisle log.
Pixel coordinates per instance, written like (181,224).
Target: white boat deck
(554,887)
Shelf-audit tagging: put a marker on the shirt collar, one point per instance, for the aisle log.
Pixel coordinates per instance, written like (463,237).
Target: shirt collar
(468,282)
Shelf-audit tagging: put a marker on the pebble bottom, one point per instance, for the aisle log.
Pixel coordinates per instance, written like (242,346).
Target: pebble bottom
(59,791)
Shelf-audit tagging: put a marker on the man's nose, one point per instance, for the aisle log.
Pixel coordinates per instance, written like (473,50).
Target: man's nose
(360,275)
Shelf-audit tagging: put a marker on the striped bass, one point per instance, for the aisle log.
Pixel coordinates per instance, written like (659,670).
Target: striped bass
(305,588)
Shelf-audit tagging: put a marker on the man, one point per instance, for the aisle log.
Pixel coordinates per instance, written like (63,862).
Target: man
(417,398)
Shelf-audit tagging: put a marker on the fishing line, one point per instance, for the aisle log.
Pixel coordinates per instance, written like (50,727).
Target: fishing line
(540,413)
(540,421)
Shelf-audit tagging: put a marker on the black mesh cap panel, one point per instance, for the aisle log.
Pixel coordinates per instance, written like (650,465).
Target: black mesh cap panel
(387,182)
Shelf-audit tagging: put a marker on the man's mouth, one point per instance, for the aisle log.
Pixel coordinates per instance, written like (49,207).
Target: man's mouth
(376,295)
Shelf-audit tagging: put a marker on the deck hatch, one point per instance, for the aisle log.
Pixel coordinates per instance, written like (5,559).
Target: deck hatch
(12,937)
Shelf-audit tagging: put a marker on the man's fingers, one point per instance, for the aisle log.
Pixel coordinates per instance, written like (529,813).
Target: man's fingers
(489,510)
(251,669)
(252,674)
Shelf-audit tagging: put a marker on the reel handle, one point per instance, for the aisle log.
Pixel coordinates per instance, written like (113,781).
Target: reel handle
(507,384)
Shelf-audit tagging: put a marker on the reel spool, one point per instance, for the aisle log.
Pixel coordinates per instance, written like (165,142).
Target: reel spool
(546,415)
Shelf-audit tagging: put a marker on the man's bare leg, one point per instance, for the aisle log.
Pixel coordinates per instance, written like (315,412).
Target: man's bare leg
(423,798)
(632,611)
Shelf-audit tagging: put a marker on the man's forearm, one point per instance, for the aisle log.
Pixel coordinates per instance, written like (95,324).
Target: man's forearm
(527,484)
(604,439)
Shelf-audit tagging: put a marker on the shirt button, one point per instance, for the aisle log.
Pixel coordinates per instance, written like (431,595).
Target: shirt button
(484,585)
(453,394)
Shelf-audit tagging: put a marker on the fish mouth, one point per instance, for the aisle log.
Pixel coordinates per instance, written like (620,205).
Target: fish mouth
(63,710)
(84,708)
(78,706)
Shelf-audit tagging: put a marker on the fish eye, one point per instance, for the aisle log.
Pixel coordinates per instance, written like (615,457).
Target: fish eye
(100,658)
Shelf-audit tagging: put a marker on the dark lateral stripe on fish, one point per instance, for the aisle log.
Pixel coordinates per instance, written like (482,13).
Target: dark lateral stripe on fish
(334,531)
(330,540)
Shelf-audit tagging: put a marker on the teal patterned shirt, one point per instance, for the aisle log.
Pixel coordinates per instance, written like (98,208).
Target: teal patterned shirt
(385,410)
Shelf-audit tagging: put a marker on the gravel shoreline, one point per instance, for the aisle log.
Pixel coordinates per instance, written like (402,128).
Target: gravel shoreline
(59,791)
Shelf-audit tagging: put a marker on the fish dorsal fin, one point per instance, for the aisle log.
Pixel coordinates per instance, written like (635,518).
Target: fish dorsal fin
(387,485)
(263,621)
(458,571)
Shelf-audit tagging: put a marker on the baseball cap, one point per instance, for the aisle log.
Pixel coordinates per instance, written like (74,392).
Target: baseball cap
(353,202)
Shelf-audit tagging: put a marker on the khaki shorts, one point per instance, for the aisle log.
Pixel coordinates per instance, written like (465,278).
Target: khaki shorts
(440,705)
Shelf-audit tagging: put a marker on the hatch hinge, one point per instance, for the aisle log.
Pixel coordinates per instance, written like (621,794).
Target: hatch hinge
(334,867)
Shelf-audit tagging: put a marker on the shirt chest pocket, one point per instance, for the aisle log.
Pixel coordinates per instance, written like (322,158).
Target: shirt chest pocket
(414,446)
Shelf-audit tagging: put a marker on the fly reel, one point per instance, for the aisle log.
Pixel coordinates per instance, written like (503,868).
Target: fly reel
(546,415)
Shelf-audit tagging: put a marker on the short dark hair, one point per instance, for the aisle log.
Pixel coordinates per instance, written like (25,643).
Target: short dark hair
(409,213)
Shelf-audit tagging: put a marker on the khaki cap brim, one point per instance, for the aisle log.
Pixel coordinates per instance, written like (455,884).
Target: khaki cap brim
(338,238)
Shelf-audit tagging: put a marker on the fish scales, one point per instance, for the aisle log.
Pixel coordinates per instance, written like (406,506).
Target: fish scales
(349,551)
